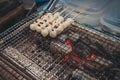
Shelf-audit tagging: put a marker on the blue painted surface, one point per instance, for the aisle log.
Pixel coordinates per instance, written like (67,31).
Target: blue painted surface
(38,1)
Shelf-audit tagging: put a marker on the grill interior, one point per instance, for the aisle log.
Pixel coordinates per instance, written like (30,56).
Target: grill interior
(79,52)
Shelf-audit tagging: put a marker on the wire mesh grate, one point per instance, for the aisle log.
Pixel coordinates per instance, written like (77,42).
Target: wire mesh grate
(58,59)
(8,72)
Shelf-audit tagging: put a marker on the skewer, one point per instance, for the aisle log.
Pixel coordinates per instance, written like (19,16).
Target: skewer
(56,66)
(44,32)
(64,71)
(69,21)
(61,11)
(53,33)
(57,13)
(59,69)
(61,18)
(33,26)
(53,62)
(76,16)
(68,13)
(57,10)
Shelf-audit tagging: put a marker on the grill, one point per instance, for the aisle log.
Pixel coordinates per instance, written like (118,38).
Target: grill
(10,72)
(59,58)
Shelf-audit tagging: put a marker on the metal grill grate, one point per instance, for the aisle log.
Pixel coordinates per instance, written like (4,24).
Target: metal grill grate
(47,61)
(10,72)
(56,59)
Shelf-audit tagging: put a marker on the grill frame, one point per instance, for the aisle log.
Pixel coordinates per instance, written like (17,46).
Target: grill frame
(22,27)
(12,69)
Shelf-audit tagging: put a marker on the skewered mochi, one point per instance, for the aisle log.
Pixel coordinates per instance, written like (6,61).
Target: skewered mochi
(43,25)
(44,18)
(67,23)
(60,19)
(49,28)
(41,22)
(38,20)
(56,15)
(55,23)
(47,16)
(44,32)
(59,29)
(51,24)
(38,28)
(53,33)
(48,20)
(70,20)
(62,25)
(33,26)
(51,20)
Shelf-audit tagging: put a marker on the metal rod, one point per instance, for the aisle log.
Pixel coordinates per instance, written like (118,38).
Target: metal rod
(56,65)
(58,69)
(63,10)
(53,62)
(68,13)
(59,9)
